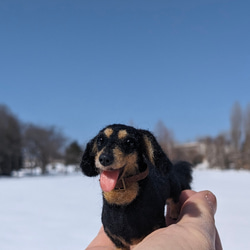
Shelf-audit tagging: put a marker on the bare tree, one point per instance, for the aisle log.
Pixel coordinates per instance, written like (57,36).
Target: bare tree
(236,126)
(222,150)
(10,142)
(246,142)
(216,151)
(236,135)
(43,145)
(165,138)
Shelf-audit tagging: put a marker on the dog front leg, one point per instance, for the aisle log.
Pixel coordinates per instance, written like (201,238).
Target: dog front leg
(174,208)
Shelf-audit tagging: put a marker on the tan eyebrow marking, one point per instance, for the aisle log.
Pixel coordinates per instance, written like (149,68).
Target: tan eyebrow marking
(122,134)
(108,132)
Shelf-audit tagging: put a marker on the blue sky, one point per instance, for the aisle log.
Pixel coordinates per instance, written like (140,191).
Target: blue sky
(81,65)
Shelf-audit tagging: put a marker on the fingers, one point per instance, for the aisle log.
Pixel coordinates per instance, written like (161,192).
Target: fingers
(195,228)
(197,216)
(206,196)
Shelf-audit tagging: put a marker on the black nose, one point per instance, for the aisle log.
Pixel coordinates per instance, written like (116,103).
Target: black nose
(106,159)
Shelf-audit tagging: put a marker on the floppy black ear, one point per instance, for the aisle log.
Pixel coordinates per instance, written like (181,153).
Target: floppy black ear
(88,160)
(154,152)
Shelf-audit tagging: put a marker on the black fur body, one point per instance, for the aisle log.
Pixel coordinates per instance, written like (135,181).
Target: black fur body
(131,213)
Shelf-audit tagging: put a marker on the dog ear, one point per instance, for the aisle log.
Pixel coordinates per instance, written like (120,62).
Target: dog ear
(154,153)
(88,160)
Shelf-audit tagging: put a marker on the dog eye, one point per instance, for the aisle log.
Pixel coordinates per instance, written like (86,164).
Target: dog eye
(100,141)
(130,142)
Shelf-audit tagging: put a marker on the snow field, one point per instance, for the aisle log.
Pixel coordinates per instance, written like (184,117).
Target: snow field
(63,212)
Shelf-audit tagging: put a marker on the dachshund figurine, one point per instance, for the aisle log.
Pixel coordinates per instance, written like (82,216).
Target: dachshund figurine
(137,179)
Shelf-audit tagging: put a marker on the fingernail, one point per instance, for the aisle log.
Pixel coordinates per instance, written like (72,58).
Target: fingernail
(211,200)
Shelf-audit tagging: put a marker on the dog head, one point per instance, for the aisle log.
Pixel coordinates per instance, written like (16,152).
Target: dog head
(119,152)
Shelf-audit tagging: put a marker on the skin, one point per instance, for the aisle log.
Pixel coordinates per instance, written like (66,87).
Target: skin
(195,228)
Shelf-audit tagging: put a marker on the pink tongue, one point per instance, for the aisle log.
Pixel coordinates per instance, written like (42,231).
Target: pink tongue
(108,180)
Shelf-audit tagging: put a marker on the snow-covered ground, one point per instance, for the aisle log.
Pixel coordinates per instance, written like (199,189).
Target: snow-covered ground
(63,212)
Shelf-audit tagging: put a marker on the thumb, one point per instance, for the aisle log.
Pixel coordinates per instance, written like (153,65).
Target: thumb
(198,208)
(197,214)
(195,203)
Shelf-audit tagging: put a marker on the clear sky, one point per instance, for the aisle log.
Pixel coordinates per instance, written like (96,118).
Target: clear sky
(83,64)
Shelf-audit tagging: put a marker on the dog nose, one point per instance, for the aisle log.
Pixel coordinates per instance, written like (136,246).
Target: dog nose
(106,159)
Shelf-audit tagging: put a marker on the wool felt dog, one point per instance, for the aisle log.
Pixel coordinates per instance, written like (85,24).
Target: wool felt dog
(136,178)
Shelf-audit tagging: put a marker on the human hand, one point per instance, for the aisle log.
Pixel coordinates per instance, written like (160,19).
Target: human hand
(195,228)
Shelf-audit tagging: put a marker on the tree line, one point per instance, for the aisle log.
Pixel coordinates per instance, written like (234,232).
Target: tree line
(227,150)
(29,145)
(232,148)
